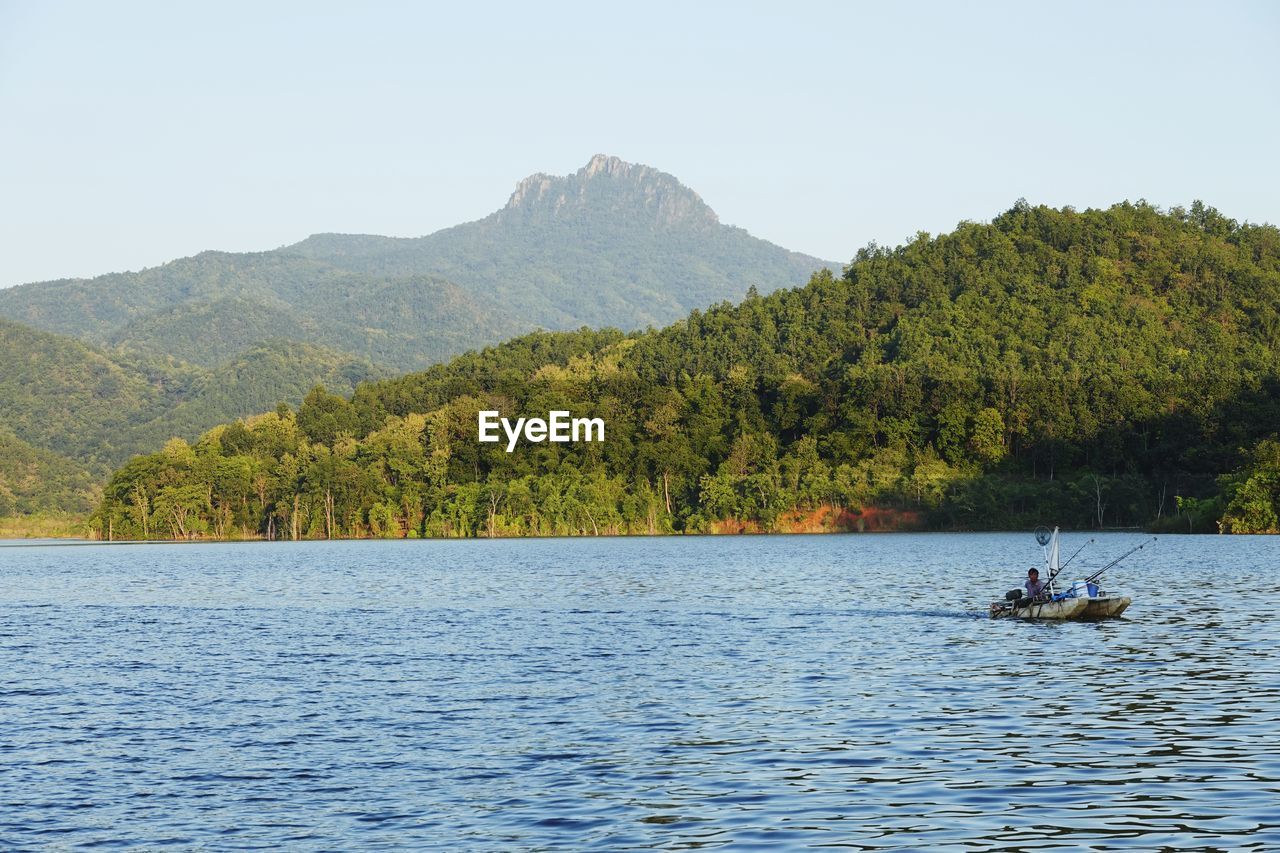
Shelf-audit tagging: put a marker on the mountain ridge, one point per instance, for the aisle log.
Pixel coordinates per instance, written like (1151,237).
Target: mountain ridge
(612,244)
(548,249)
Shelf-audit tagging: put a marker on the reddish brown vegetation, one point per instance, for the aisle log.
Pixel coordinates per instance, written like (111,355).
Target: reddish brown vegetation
(830,519)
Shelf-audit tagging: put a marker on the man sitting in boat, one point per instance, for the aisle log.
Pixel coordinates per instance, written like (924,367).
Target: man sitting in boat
(1033,585)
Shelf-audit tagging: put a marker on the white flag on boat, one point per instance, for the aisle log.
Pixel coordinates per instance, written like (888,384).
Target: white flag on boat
(1052,561)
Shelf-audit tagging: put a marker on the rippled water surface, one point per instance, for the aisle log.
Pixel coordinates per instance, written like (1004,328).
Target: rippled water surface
(770,692)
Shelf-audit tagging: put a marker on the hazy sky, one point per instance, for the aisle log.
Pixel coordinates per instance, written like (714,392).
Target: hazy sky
(131,134)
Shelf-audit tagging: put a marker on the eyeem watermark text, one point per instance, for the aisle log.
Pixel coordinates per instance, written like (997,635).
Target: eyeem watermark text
(559,426)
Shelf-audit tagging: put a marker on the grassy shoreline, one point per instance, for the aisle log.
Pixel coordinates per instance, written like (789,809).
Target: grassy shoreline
(44,527)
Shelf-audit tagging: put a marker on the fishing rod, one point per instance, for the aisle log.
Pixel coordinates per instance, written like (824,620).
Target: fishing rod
(1093,577)
(1073,556)
(1046,588)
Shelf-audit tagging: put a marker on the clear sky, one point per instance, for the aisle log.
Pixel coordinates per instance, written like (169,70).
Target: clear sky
(131,133)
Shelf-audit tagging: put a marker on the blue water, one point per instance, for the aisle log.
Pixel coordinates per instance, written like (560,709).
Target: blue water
(767,692)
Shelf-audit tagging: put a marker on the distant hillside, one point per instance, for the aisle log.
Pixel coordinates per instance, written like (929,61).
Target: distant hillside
(1098,368)
(35,481)
(210,307)
(615,244)
(254,381)
(60,394)
(98,408)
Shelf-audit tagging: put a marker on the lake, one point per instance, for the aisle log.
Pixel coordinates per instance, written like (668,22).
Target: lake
(736,692)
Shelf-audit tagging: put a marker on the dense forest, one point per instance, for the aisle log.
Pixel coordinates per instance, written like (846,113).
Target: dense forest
(1105,368)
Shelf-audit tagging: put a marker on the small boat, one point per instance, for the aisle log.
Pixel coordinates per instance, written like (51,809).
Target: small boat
(1065,606)
(1083,600)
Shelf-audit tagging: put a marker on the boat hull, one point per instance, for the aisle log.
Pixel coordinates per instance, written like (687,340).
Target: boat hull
(1067,608)
(1105,607)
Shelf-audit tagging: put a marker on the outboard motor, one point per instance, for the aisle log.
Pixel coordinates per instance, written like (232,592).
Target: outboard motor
(1013,595)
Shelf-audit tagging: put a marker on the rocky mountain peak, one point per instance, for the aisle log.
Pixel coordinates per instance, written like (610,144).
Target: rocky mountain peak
(609,187)
(609,165)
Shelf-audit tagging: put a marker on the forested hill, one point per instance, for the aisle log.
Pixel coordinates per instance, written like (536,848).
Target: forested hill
(614,244)
(34,481)
(213,307)
(1102,368)
(98,408)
